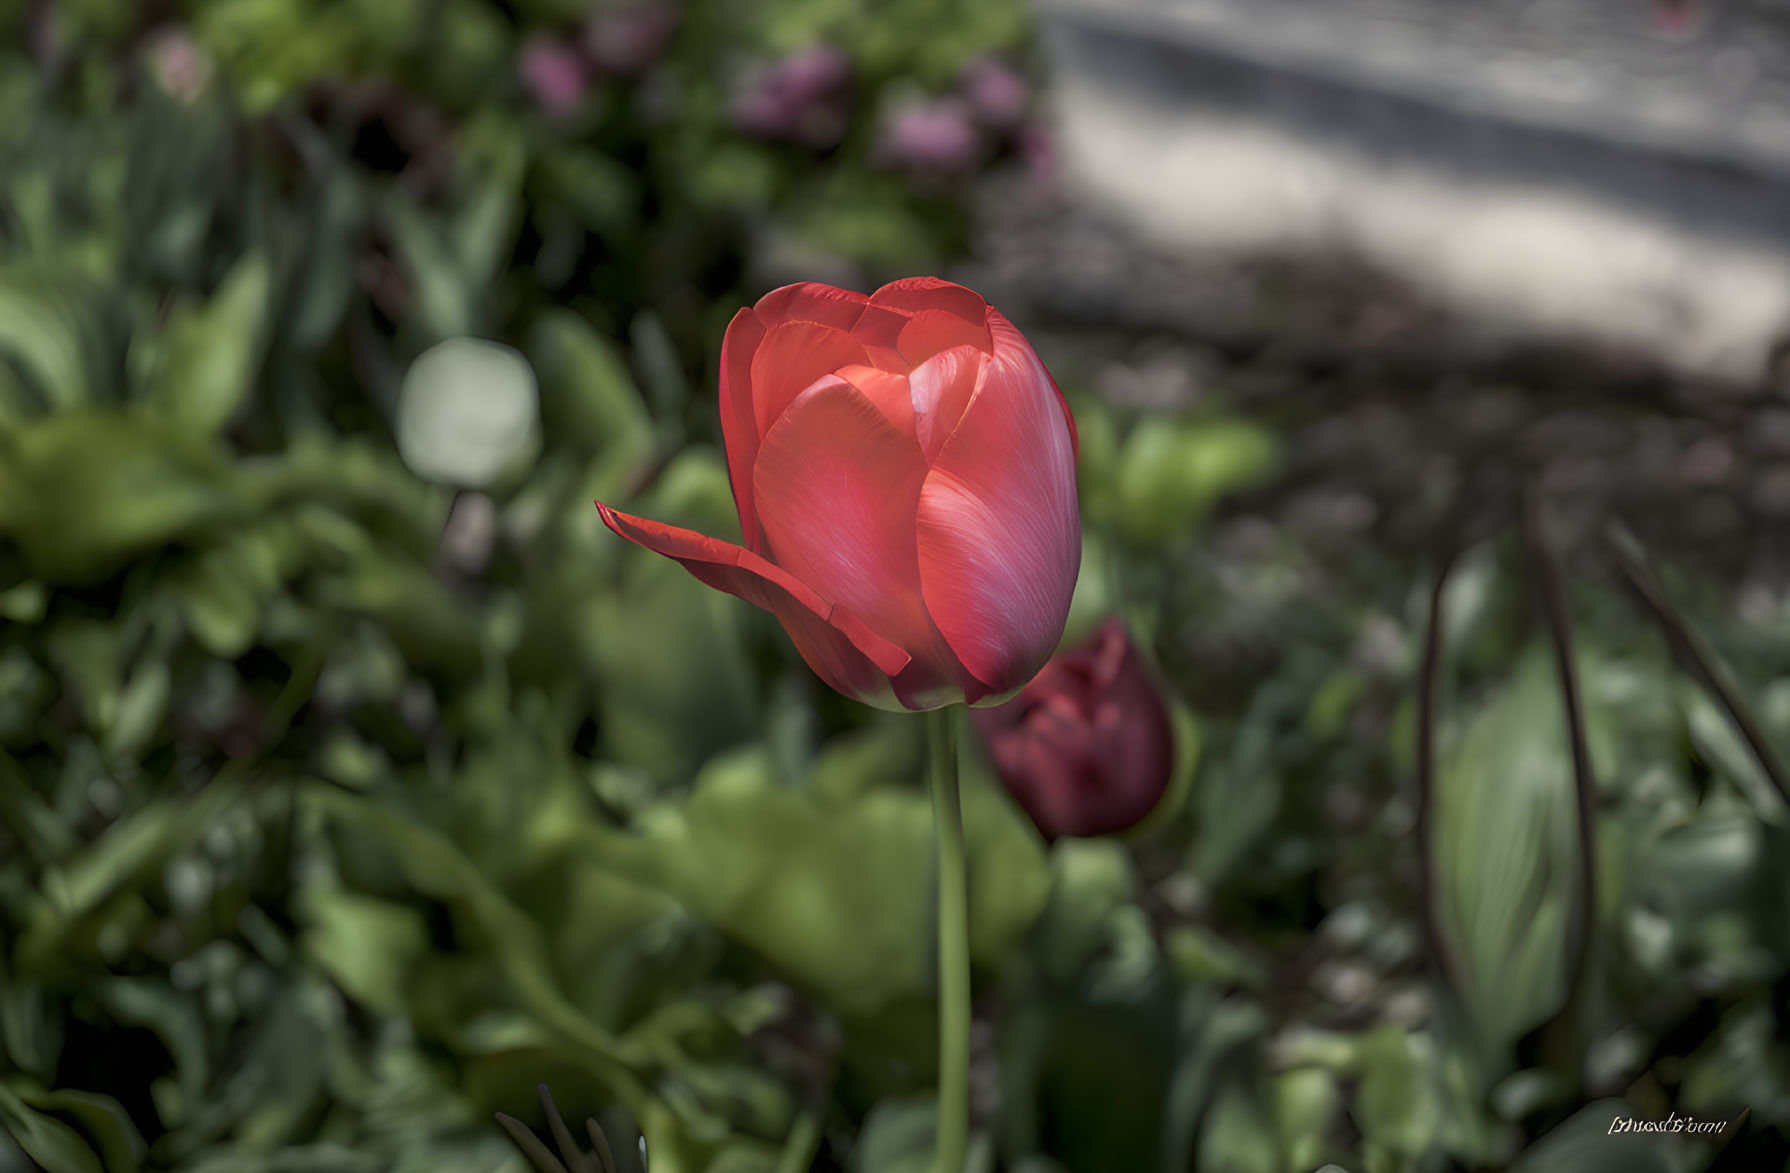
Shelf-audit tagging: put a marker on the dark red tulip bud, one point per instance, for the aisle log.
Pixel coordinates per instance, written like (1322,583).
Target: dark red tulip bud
(1088,747)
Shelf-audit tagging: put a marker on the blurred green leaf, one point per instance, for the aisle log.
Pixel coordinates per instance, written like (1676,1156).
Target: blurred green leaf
(84,491)
(588,396)
(897,1137)
(211,353)
(62,917)
(323,281)
(1506,852)
(444,298)
(365,944)
(101,1117)
(52,323)
(1585,1144)
(1396,1107)
(833,890)
(1171,472)
(48,1141)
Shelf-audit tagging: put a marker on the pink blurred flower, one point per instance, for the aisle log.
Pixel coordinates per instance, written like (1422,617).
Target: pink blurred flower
(933,137)
(1038,153)
(627,41)
(801,98)
(997,94)
(810,74)
(177,63)
(553,73)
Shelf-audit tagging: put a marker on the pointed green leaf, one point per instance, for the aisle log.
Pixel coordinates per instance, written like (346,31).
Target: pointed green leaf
(212,352)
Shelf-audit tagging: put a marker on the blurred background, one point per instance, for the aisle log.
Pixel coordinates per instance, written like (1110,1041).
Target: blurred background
(1430,368)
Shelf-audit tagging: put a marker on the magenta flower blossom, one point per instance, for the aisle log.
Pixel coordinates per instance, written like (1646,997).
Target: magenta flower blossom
(936,137)
(802,99)
(996,93)
(627,41)
(553,73)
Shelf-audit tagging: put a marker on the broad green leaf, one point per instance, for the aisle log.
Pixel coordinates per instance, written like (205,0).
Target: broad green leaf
(365,944)
(1239,1135)
(667,657)
(324,282)
(834,891)
(85,491)
(48,1141)
(101,1117)
(1506,852)
(436,867)
(212,352)
(1587,1144)
(897,1137)
(1171,472)
(1395,1106)
(444,299)
(588,395)
(52,325)
(75,893)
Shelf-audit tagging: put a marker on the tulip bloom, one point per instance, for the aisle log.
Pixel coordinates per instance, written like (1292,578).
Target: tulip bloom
(1088,747)
(904,470)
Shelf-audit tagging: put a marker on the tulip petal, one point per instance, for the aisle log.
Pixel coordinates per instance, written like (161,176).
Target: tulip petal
(999,534)
(739,423)
(888,391)
(837,486)
(913,294)
(930,331)
(880,332)
(810,301)
(840,648)
(1012,350)
(940,388)
(792,356)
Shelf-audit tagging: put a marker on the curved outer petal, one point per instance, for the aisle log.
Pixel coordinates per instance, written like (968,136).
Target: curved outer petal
(791,357)
(913,294)
(838,488)
(838,645)
(1007,338)
(998,528)
(940,389)
(880,332)
(739,424)
(930,331)
(810,301)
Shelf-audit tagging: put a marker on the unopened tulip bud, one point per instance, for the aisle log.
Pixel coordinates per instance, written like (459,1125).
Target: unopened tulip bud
(1088,747)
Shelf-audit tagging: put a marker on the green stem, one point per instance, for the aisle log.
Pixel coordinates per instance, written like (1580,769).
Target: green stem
(954,948)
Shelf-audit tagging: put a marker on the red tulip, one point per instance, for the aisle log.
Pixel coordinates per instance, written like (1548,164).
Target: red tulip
(904,470)
(1087,748)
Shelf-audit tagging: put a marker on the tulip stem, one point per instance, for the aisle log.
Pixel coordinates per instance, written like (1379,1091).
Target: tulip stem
(952,1148)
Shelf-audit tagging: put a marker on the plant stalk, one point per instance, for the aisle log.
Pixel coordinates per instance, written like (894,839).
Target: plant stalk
(952,1147)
